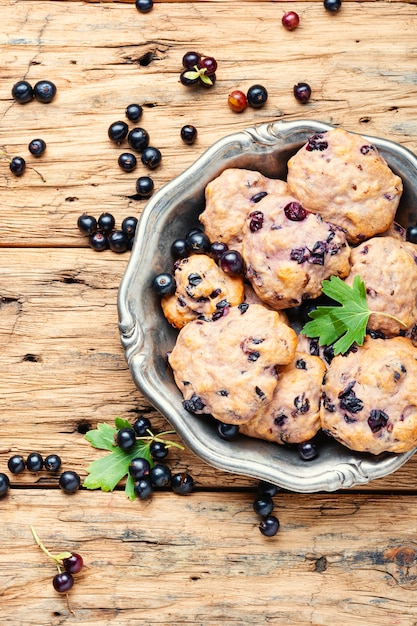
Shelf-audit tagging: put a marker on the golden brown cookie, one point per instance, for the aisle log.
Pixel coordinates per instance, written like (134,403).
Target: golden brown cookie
(370,397)
(341,176)
(202,289)
(227,368)
(293,415)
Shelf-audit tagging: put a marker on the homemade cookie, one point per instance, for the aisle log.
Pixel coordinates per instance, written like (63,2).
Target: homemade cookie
(229,199)
(202,290)
(293,415)
(370,397)
(388,267)
(341,176)
(227,368)
(289,251)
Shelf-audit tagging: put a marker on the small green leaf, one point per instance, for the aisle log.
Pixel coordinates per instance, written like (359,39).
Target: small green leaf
(121,423)
(102,437)
(130,488)
(205,79)
(192,75)
(62,555)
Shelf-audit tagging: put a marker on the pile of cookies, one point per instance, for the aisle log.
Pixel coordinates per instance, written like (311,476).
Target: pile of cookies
(238,358)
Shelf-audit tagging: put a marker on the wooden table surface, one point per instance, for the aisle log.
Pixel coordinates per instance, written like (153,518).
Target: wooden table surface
(339,558)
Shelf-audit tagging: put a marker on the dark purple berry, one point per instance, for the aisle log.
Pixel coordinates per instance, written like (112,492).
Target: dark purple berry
(138,139)
(126,438)
(144,186)
(141,426)
(316,142)
(218,248)
(180,249)
(228,432)
(263,505)
(4,484)
(209,64)
(37,147)
(198,242)
(307,450)
(63,582)
(182,483)
(332,5)
(22,92)
(295,212)
(144,6)
(411,234)
(134,112)
(17,165)
(98,241)
(16,464)
(377,420)
(160,475)
(151,157)
(164,284)
(69,482)
(267,489)
(87,224)
(34,462)
(190,59)
(129,226)
(188,134)
(257,96)
(52,463)
(302,92)
(269,526)
(106,222)
(188,81)
(118,241)
(139,468)
(143,488)
(159,450)
(44,91)
(127,161)
(256,221)
(73,564)
(231,262)
(117,132)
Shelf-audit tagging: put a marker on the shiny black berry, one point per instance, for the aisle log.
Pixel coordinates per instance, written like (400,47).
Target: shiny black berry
(198,242)
(218,248)
(52,463)
(126,438)
(134,112)
(118,131)
(44,91)
(63,582)
(22,92)
(129,226)
(190,59)
(158,450)
(160,475)
(144,6)
(302,92)
(151,157)
(141,426)
(16,464)
(188,134)
(411,234)
(332,5)
(138,139)
(182,483)
(69,481)
(164,284)
(37,147)
(180,249)
(144,186)
(34,462)
(257,96)
(4,484)
(307,450)
(267,489)
(127,161)
(228,432)
(17,165)
(231,262)
(118,241)
(106,222)
(269,526)
(139,468)
(143,488)
(98,241)
(263,505)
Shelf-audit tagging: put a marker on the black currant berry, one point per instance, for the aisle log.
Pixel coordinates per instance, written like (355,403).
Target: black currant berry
(411,234)
(127,161)
(257,96)
(17,165)
(118,241)
(22,92)
(190,59)
(180,249)
(267,489)
(263,505)
(138,139)
(129,226)
(198,241)
(269,526)
(37,147)
(106,222)
(141,426)
(151,157)
(307,450)
(69,481)
(144,186)
(158,450)
(52,463)
(117,132)
(134,112)
(16,464)
(144,6)
(189,134)
(164,284)
(143,488)
(44,91)
(332,5)
(4,484)
(182,483)
(126,438)
(217,248)
(302,92)
(87,224)
(160,475)
(231,262)
(228,432)
(73,564)
(63,582)
(98,241)
(34,462)
(139,468)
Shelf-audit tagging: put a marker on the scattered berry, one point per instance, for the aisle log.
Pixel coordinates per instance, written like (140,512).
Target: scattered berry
(134,112)
(69,481)
(180,249)
(106,222)
(290,20)
(237,101)
(138,139)
(52,463)
(164,284)
(217,248)
(257,96)
(87,224)
(139,468)
(332,5)
(269,526)
(141,426)
(307,450)
(126,438)
(188,134)
(98,241)
(117,132)
(160,475)
(4,484)
(34,462)
(227,431)
(44,91)
(22,92)
(302,92)
(37,147)
(63,582)
(151,157)
(17,165)
(16,464)
(263,506)
(231,262)
(411,234)
(144,186)
(182,483)
(144,6)
(127,161)
(143,488)
(198,242)
(73,564)
(265,488)
(129,226)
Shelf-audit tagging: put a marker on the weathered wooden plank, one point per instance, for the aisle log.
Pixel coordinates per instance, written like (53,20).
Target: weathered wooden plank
(102,56)
(201,560)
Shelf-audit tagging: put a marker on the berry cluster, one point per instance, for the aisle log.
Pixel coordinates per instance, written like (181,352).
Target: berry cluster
(43,91)
(138,140)
(263,506)
(256,97)
(198,70)
(152,473)
(103,235)
(18,164)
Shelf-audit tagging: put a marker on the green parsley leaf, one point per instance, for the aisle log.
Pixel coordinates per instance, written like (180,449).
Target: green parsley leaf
(344,324)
